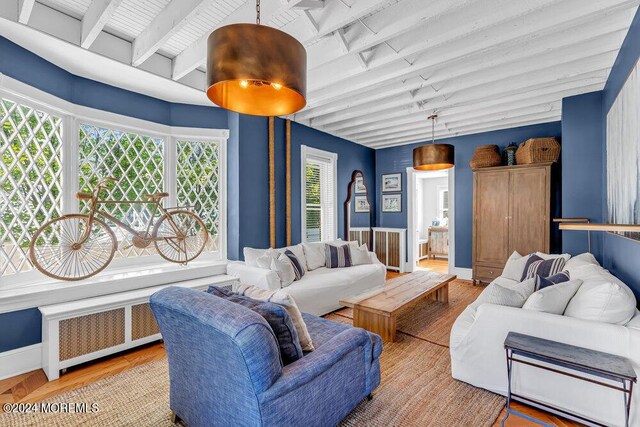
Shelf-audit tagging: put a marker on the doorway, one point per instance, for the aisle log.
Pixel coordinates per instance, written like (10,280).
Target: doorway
(430,220)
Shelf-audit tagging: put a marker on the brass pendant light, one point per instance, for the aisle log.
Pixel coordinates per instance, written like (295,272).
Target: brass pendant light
(433,156)
(256,69)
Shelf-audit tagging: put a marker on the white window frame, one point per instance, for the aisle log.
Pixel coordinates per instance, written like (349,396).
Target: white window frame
(327,156)
(73,115)
(441,189)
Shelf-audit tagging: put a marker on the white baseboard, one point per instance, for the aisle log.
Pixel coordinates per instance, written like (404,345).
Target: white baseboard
(20,360)
(462,273)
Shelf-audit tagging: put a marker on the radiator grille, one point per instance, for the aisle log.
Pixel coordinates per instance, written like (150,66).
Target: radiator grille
(86,334)
(143,323)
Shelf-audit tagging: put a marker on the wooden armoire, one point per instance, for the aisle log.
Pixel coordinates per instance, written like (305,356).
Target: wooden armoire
(511,212)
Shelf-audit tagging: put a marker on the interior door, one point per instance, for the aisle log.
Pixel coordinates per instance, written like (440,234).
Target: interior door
(491,217)
(529,210)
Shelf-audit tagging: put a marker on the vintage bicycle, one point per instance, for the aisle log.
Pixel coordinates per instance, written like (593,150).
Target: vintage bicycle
(77,246)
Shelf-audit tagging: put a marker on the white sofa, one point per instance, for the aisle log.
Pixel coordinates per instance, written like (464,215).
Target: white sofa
(478,355)
(320,290)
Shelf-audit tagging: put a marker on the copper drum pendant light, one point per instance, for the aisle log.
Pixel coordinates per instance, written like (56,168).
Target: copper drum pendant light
(256,69)
(433,156)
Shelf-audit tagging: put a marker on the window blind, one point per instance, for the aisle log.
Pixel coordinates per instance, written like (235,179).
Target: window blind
(319,198)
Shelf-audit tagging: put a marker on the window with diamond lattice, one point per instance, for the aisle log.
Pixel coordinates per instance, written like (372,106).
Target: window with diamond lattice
(198,184)
(30,179)
(137,162)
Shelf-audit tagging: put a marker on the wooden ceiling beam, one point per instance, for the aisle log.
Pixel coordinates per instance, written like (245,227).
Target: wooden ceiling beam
(516,75)
(419,121)
(169,21)
(344,81)
(518,49)
(25,7)
(94,20)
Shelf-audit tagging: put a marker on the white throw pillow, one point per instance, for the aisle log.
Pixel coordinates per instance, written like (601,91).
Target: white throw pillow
(251,255)
(603,299)
(314,253)
(514,267)
(582,266)
(544,256)
(299,253)
(284,269)
(360,255)
(553,299)
(509,295)
(287,301)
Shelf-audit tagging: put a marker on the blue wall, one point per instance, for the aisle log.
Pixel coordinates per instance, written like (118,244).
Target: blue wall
(621,256)
(397,159)
(582,169)
(250,151)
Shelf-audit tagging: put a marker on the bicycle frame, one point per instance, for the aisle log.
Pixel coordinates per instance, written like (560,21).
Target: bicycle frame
(93,210)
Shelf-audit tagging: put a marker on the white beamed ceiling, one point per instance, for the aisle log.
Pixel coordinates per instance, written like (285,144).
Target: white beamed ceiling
(377,68)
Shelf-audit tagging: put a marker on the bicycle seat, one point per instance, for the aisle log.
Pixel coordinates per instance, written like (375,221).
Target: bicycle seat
(156,196)
(83,196)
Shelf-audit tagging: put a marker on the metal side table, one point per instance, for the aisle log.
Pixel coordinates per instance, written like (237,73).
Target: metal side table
(616,372)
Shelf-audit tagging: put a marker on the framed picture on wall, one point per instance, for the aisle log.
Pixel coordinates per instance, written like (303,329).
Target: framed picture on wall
(391,182)
(392,203)
(361,204)
(360,188)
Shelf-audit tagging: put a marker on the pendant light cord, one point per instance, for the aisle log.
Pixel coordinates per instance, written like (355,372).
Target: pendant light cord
(433,128)
(258,12)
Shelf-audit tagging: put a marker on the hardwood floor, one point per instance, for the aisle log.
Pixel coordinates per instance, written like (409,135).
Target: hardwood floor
(439,265)
(33,386)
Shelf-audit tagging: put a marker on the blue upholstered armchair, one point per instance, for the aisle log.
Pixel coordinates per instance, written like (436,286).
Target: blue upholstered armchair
(225,368)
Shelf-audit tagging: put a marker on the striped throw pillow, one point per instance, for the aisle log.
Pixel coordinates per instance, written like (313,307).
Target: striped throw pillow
(337,256)
(297,267)
(545,282)
(537,266)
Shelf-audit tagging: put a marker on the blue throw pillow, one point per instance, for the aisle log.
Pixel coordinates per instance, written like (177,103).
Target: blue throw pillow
(337,256)
(297,267)
(544,282)
(542,267)
(276,316)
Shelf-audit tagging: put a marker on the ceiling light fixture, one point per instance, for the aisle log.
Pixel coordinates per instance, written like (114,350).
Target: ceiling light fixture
(256,69)
(433,156)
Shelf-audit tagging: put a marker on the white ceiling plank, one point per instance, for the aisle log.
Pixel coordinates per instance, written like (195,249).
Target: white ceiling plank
(504,53)
(172,18)
(509,124)
(494,105)
(306,4)
(548,64)
(25,7)
(393,21)
(450,26)
(484,91)
(97,16)
(530,105)
(456,49)
(544,109)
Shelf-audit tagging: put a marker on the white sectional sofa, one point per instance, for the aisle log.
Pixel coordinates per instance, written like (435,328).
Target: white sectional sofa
(320,289)
(613,326)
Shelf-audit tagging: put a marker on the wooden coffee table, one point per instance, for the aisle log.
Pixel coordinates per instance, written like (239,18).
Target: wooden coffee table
(377,311)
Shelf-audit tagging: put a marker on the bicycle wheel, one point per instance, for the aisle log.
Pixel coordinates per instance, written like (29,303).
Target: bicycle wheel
(180,236)
(55,249)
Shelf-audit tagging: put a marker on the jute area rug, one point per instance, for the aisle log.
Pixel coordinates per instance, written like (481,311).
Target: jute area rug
(416,389)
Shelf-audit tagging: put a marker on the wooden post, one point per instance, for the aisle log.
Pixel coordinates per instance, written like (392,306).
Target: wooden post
(288,178)
(272,185)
